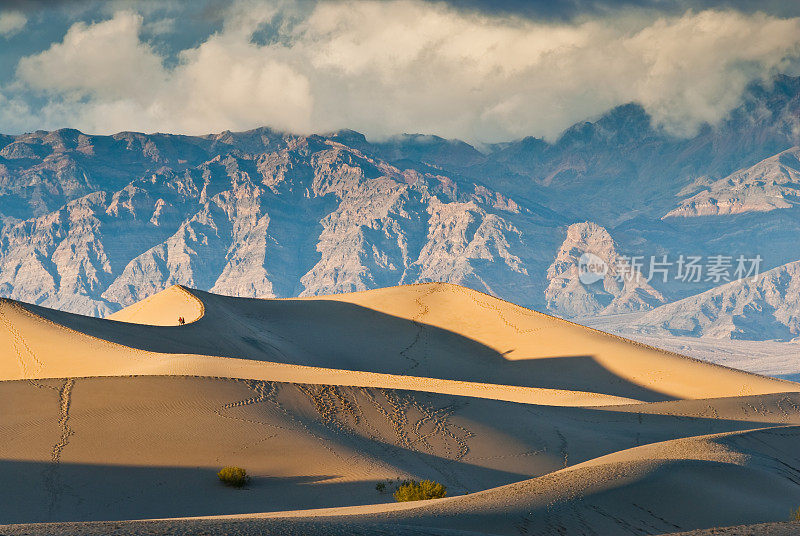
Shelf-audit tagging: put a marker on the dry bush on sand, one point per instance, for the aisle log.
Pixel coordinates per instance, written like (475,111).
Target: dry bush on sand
(233,476)
(420,491)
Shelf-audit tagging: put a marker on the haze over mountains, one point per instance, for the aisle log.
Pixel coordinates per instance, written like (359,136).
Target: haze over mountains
(95,223)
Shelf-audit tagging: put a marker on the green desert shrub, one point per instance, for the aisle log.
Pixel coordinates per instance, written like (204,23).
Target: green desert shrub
(380,487)
(795,515)
(419,491)
(233,476)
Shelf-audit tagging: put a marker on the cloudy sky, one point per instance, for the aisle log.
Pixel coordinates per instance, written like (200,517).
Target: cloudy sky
(479,70)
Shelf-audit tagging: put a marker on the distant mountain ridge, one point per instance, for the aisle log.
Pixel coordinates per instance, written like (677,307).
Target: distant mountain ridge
(240,224)
(765,307)
(93,223)
(772,184)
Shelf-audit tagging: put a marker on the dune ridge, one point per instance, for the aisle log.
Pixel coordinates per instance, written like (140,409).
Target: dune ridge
(163,308)
(114,359)
(360,332)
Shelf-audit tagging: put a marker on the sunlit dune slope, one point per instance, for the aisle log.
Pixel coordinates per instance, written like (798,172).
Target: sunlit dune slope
(436,331)
(163,308)
(706,481)
(535,424)
(143,447)
(36,346)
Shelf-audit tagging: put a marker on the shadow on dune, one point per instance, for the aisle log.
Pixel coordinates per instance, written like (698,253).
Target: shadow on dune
(333,334)
(138,423)
(646,497)
(650,497)
(228,527)
(34,492)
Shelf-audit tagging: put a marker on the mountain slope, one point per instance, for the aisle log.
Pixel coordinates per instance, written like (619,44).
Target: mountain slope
(765,307)
(316,217)
(771,184)
(91,224)
(617,289)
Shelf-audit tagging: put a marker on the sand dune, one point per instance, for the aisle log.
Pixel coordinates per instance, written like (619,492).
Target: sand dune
(163,308)
(43,343)
(535,424)
(307,445)
(707,481)
(299,527)
(430,331)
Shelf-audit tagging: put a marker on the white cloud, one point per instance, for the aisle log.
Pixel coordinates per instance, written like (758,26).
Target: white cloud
(698,65)
(101,61)
(14,113)
(108,80)
(12,22)
(407,66)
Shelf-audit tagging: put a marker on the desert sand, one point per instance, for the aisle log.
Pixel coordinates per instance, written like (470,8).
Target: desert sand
(536,425)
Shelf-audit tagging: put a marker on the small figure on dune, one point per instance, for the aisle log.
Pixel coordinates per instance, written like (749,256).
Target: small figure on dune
(181,321)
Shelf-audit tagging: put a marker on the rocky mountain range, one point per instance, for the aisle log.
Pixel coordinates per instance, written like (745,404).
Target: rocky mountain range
(311,217)
(93,223)
(769,185)
(615,292)
(764,307)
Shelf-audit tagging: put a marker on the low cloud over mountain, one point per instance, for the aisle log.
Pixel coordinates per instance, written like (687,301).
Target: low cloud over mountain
(382,68)
(92,223)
